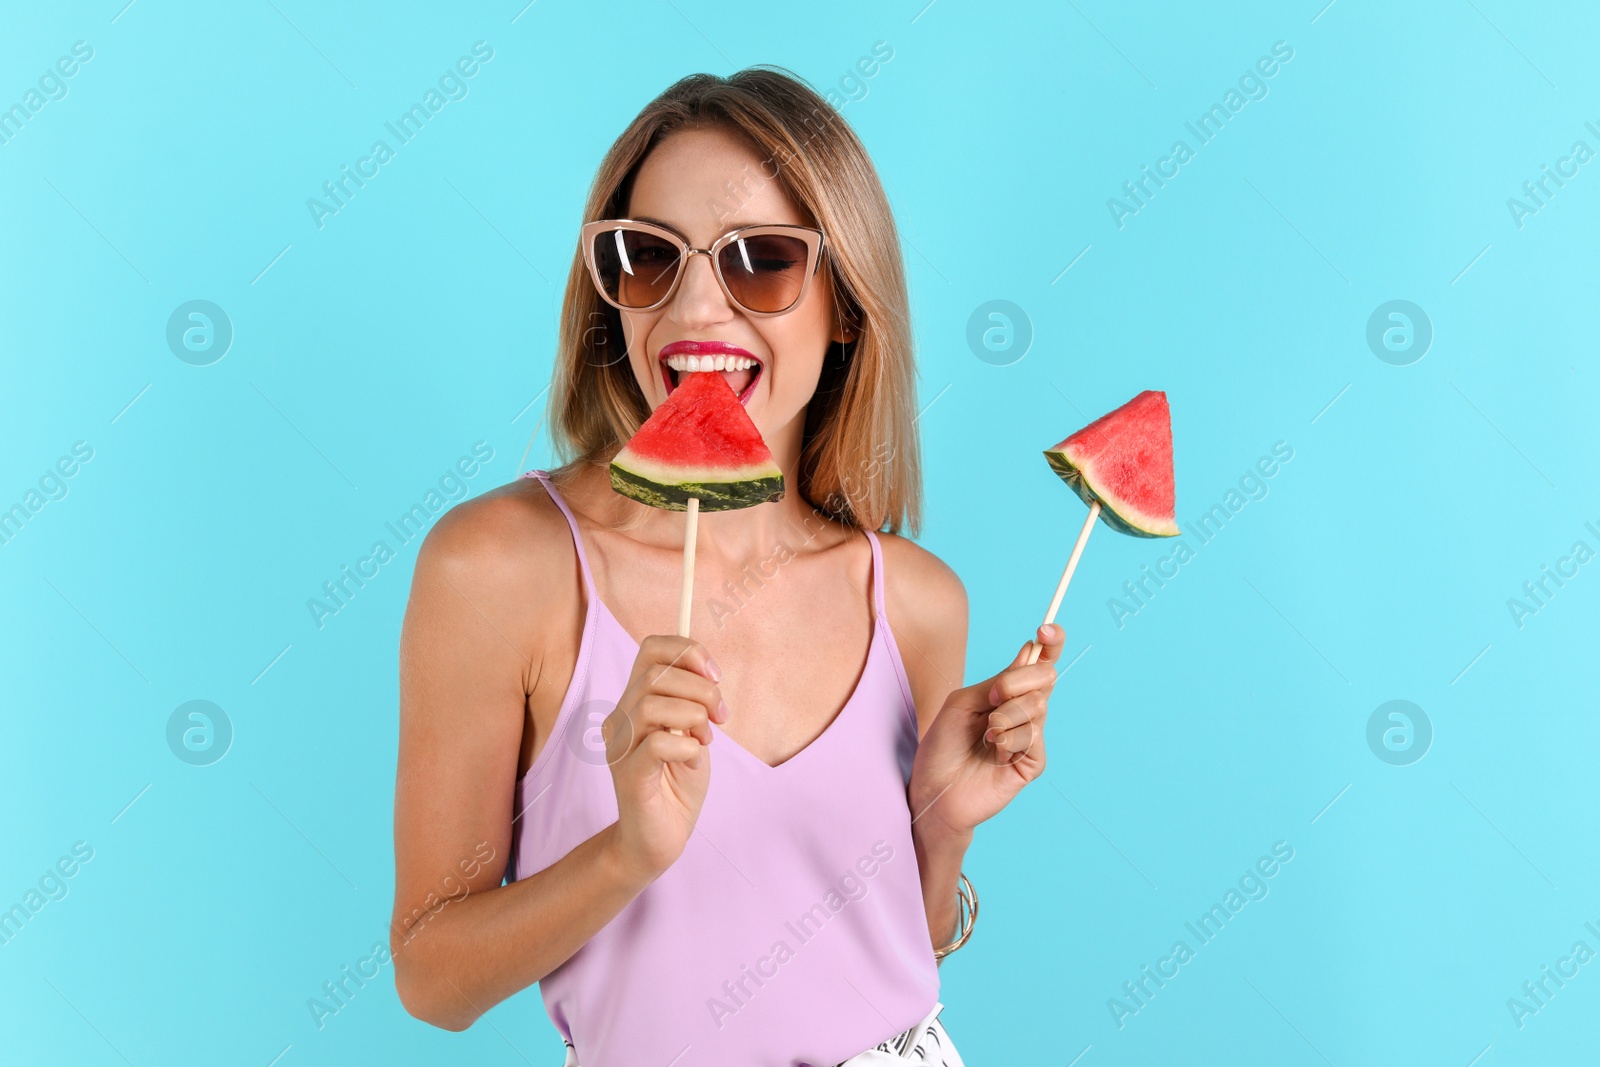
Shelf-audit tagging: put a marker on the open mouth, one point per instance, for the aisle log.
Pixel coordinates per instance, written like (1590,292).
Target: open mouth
(738,368)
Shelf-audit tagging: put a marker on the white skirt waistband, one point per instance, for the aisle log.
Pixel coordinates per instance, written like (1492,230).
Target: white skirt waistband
(926,1043)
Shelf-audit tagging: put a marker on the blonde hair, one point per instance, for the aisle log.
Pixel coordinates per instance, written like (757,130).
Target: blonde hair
(859,462)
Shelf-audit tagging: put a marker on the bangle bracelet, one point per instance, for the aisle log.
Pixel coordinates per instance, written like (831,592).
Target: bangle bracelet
(967,908)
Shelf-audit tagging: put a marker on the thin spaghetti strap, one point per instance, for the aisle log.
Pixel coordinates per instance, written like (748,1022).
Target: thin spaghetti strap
(882,626)
(577,538)
(877,572)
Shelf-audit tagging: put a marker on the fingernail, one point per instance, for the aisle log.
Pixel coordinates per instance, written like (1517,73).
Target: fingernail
(989,735)
(716,671)
(722,709)
(994,694)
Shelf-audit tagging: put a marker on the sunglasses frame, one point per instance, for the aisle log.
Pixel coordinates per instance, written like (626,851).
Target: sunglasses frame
(815,242)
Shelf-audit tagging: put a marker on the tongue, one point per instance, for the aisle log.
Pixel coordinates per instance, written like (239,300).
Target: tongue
(737,379)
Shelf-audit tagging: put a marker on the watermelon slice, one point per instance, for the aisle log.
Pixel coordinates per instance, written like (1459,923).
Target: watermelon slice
(1124,460)
(699,442)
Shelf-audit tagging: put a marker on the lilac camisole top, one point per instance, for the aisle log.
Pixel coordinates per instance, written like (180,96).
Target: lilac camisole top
(791,932)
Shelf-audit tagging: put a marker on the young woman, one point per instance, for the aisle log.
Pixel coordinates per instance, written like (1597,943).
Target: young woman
(742,849)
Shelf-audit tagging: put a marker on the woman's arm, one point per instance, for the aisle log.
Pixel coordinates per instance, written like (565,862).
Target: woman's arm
(927,609)
(462,943)
(979,744)
(483,618)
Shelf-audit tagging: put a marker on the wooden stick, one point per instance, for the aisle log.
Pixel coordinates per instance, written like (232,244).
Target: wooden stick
(686,595)
(1066,575)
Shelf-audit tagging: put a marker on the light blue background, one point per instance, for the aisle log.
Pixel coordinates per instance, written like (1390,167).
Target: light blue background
(1228,714)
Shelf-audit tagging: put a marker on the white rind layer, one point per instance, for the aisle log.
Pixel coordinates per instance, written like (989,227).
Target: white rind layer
(1121,516)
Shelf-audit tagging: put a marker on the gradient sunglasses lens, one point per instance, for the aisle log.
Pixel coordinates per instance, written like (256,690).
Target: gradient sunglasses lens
(635,268)
(764,272)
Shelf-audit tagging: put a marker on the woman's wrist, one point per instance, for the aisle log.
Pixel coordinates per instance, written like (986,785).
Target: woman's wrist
(622,867)
(940,853)
(937,837)
(927,817)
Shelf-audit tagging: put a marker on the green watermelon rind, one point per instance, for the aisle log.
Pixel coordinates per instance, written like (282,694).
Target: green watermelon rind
(1120,517)
(713,496)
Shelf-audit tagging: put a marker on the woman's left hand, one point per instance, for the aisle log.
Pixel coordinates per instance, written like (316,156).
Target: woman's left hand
(986,743)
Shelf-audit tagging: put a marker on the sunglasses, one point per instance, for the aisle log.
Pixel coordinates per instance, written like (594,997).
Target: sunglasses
(764,270)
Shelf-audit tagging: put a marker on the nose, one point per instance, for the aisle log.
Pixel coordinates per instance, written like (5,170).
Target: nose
(699,301)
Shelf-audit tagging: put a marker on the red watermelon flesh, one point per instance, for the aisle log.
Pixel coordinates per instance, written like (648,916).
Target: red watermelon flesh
(699,442)
(1124,460)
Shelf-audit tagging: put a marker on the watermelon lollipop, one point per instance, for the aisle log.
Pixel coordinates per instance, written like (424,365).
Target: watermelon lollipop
(698,445)
(1123,461)
(698,449)
(1121,465)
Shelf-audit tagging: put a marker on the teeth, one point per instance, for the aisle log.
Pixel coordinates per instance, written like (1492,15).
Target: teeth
(700,363)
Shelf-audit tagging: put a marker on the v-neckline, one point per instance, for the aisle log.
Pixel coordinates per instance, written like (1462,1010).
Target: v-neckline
(855,690)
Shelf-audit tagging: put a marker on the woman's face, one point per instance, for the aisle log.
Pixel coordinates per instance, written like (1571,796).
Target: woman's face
(703,183)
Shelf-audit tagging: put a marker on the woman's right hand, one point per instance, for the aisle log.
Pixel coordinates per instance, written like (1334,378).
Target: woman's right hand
(660,777)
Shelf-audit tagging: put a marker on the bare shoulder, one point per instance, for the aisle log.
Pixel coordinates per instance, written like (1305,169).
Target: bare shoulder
(927,608)
(510,529)
(498,555)
(918,585)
